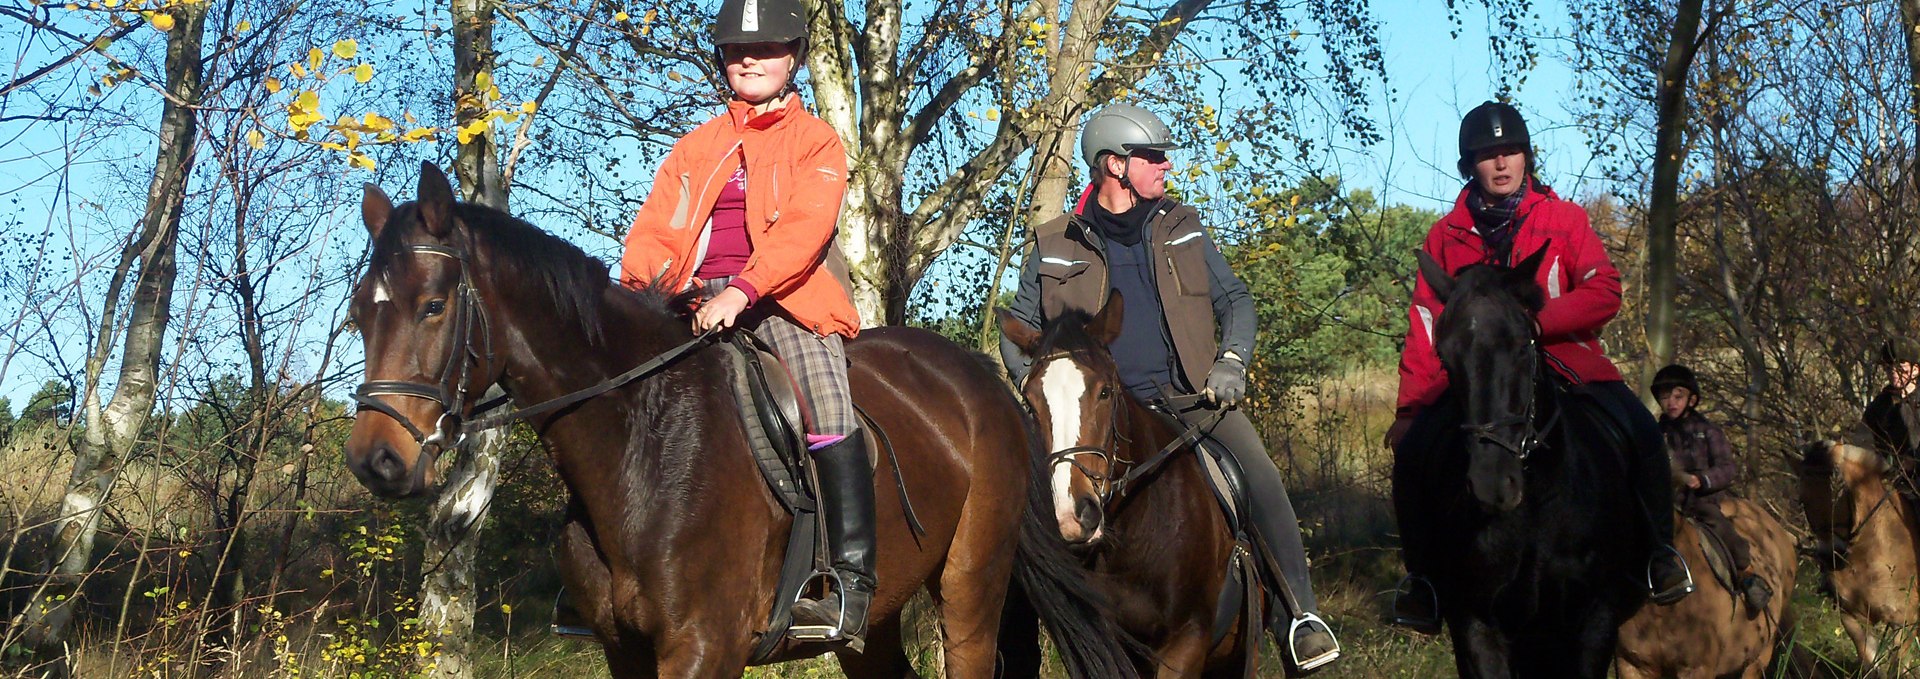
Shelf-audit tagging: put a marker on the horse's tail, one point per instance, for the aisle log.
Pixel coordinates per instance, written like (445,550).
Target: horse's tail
(1053,583)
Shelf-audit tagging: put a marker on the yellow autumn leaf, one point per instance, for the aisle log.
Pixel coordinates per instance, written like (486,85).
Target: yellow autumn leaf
(363,73)
(273,85)
(242,28)
(674,76)
(620,17)
(297,69)
(308,101)
(1220,146)
(161,20)
(109,3)
(648,17)
(993,113)
(529,107)
(345,49)
(419,134)
(255,139)
(360,160)
(333,146)
(482,81)
(538,60)
(315,58)
(375,122)
(102,43)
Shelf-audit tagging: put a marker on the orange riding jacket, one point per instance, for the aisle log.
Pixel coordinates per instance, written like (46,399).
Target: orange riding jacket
(796,181)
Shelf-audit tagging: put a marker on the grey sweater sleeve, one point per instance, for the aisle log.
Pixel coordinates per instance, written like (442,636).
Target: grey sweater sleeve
(1232,305)
(1026,307)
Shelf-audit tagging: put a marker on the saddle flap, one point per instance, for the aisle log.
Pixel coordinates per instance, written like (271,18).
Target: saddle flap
(1719,558)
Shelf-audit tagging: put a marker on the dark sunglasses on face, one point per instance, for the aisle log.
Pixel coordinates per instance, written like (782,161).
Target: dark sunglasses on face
(1151,156)
(759,51)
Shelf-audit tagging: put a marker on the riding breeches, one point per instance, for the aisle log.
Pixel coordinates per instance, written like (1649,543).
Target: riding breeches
(817,363)
(1705,510)
(1649,469)
(1274,523)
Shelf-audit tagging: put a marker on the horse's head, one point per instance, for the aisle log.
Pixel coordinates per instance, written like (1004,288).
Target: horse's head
(1076,395)
(429,347)
(1485,339)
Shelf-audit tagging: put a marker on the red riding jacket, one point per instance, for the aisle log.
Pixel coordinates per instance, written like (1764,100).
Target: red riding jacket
(1583,292)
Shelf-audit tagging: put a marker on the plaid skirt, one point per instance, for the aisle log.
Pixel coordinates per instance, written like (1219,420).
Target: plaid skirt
(818,363)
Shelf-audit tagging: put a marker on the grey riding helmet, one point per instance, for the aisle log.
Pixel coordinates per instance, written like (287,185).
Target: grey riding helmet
(743,22)
(1122,129)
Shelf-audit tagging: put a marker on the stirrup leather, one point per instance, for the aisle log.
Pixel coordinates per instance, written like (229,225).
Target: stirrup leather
(1686,587)
(1316,662)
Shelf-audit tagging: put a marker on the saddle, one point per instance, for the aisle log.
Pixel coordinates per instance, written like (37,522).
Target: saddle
(1719,559)
(1609,421)
(776,419)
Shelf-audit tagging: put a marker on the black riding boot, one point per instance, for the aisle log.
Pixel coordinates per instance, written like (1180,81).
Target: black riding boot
(1650,471)
(1307,639)
(846,502)
(1416,604)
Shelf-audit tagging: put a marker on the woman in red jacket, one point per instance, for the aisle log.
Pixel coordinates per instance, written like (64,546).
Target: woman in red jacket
(1504,214)
(745,208)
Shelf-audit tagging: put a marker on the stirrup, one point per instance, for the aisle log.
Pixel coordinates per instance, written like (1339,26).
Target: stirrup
(566,630)
(828,633)
(1429,626)
(1316,662)
(1671,596)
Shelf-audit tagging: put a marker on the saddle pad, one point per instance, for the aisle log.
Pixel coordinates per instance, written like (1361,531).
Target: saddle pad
(1719,560)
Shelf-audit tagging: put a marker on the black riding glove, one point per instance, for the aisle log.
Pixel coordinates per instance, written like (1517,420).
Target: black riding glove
(1227,382)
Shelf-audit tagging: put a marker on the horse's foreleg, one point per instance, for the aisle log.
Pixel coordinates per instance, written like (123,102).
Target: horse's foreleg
(1627,670)
(1479,650)
(1184,656)
(885,656)
(1865,642)
(972,583)
(690,656)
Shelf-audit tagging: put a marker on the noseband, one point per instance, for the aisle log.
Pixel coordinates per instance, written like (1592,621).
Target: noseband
(451,390)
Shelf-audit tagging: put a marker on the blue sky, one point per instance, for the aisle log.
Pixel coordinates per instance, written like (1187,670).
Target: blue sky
(1434,79)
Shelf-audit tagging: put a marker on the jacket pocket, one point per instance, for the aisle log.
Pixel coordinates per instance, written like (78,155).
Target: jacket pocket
(1186,257)
(1060,268)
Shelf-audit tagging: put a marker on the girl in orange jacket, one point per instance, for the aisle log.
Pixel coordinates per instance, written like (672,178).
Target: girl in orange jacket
(744,208)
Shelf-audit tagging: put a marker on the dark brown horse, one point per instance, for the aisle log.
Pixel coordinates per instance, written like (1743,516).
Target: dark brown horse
(672,542)
(1163,548)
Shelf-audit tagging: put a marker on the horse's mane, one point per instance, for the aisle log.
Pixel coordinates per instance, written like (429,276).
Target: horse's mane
(1482,281)
(1067,333)
(567,280)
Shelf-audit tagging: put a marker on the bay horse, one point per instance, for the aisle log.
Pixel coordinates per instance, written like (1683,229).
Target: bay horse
(1712,633)
(672,543)
(1163,549)
(1537,546)
(1863,541)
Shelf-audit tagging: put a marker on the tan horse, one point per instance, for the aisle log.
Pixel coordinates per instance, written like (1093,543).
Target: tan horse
(1864,543)
(1712,633)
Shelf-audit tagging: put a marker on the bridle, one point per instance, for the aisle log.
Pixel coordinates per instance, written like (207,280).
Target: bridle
(451,389)
(1104,482)
(451,392)
(1113,484)
(1525,434)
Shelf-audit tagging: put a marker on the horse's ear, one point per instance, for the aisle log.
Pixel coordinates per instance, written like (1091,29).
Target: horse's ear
(1105,325)
(1017,331)
(436,200)
(375,206)
(1530,266)
(1436,275)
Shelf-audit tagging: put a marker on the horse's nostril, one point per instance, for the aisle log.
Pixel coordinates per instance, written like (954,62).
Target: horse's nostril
(1088,512)
(386,464)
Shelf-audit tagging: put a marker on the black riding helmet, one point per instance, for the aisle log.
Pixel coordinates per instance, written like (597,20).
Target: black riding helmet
(1491,125)
(1675,375)
(742,22)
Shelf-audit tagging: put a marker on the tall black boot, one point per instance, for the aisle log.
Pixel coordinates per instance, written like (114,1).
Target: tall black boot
(1651,474)
(846,503)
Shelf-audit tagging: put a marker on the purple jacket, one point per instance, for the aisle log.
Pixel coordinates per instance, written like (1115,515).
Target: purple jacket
(1700,448)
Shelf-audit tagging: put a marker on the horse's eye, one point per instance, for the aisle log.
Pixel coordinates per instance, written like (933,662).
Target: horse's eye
(1106,393)
(435,308)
